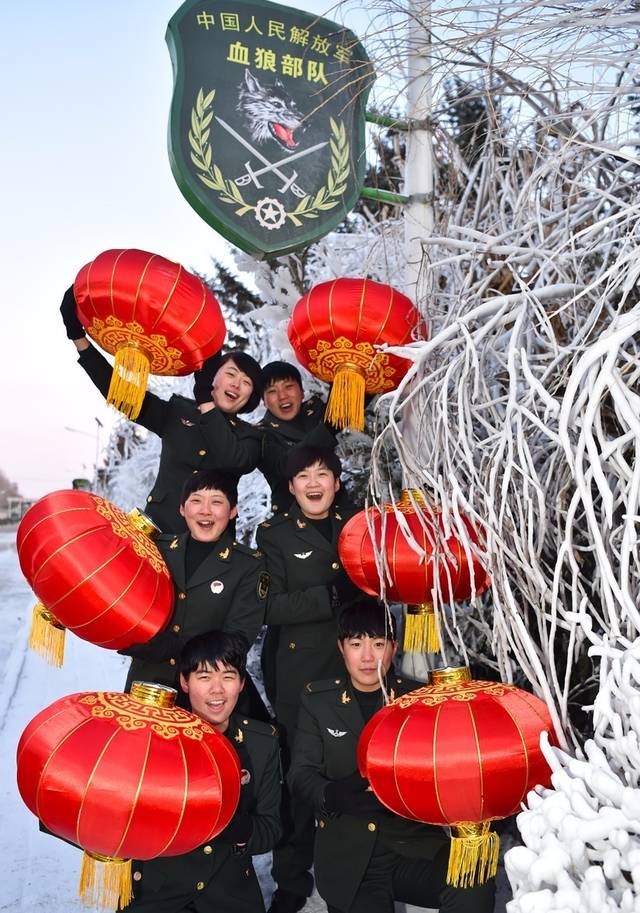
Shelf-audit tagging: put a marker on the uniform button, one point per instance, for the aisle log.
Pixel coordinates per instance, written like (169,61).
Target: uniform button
(202,452)
(172,661)
(274,506)
(175,628)
(137,876)
(335,566)
(207,850)
(182,595)
(194,471)
(371,826)
(292,646)
(200,886)
(322,824)
(246,722)
(149,499)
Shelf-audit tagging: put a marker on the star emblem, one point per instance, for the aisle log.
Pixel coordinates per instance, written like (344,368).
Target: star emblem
(269,213)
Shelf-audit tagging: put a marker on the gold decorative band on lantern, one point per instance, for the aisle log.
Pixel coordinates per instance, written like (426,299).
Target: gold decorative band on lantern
(406,496)
(143,523)
(47,635)
(451,675)
(473,857)
(420,629)
(345,408)
(153,695)
(105,881)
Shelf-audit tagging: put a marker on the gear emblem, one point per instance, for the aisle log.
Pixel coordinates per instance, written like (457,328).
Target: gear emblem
(270,213)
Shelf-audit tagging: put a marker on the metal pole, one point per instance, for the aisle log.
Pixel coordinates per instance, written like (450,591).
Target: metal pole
(418,214)
(419,167)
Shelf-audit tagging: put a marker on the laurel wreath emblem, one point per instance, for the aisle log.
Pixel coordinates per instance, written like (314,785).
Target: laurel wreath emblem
(212,177)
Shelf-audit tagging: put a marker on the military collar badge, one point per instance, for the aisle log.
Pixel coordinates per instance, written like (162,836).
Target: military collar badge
(267,131)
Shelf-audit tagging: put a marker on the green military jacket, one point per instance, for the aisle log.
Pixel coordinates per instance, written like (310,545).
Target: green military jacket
(329,726)
(190,441)
(302,565)
(226,592)
(219,873)
(279,437)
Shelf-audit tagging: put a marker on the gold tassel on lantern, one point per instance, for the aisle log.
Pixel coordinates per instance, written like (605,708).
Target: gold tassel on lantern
(473,857)
(129,380)
(105,882)
(46,636)
(345,408)
(420,629)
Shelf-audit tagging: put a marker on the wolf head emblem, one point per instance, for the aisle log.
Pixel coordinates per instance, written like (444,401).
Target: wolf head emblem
(269,112)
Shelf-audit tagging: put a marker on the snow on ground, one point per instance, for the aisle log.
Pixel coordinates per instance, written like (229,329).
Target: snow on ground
(41,873)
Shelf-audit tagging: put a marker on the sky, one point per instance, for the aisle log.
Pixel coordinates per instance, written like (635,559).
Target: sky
(85,95)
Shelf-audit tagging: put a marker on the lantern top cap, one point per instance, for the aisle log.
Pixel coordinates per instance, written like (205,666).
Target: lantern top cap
(153,695)
(451,675)
(143,522)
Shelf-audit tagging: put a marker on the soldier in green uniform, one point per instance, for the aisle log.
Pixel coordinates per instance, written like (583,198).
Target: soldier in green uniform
(220,875)
(205,434)
(289,421)
(366,857)
(219,583)
(307,587)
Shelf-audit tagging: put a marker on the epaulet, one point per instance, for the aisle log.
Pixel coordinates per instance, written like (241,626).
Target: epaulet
(166,537)
(257,726)
(325,684)
(276,520)
(247,550)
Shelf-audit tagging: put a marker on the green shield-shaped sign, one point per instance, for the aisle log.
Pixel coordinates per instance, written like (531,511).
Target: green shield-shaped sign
(267,131)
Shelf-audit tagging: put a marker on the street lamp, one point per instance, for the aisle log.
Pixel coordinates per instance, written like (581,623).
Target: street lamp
(96,437)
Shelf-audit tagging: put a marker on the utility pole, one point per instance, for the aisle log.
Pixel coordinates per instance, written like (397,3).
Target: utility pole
(419,183)
(419,173)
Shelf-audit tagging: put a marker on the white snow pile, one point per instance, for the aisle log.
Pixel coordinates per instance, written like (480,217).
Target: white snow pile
(582,838)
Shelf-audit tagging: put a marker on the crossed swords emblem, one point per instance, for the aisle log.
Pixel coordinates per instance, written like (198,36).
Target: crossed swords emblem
(251,175)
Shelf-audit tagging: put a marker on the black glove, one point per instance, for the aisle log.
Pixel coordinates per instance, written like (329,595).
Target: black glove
(239,829)
(161,646)
(342,591)
(351,796)
(203,379)
(74,328)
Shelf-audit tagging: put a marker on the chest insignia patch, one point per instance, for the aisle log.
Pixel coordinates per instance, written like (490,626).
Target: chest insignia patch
(187,423)
(302,555)
(336,733)
(217,586)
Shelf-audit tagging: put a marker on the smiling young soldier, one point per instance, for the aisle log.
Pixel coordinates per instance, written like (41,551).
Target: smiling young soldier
(307,586)
(220,875)
(289,421)
(205,434)
(219,583)
(366,857)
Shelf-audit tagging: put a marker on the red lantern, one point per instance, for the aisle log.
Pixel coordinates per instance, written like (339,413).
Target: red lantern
(412,576)
(126,776)
(334,331)
(152,314)
(95,571)
(461,753)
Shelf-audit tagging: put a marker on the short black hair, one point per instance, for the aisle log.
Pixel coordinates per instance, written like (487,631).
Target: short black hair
(210,480)
(215,648)
(301,458)
(279,370)
(366,616)
(252,369)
